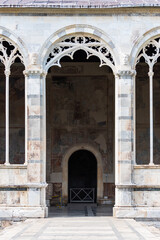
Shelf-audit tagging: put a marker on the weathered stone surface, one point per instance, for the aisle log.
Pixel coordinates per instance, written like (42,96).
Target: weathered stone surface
(80,3)
(124,33)
(79,228)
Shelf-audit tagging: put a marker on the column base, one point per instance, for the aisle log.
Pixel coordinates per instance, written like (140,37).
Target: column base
(10,213)
(137,212)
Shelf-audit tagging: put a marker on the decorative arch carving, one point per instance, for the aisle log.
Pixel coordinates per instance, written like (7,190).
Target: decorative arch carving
(70,44)
(150,52)
(68,40)
(16,41)
(96,153)
(141,42)
(8,53)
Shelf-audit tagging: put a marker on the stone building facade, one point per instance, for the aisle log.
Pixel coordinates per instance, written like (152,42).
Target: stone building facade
(79,81)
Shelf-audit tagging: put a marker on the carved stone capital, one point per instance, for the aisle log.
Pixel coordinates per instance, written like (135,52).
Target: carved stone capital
(36,72)
(126,73)
(7,73)
(150,74)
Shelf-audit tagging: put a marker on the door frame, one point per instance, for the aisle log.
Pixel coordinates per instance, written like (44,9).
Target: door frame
(67,155)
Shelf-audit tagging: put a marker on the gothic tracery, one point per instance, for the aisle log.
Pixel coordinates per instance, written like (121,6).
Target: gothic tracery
(8,53)
(69,45)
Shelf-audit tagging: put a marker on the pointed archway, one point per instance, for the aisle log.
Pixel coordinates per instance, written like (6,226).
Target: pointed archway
(80,109)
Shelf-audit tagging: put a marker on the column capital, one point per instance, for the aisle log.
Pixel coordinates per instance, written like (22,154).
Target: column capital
(7,72)
(34,71)
(122,73)
(150,74)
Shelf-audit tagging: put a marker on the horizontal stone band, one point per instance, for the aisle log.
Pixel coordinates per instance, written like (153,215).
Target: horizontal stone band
(28,185)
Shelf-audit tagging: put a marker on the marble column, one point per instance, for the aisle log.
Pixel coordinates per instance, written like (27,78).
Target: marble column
(124,144)
(36,139)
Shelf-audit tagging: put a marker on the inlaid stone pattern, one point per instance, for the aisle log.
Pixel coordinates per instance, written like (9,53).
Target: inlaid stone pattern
(93,228)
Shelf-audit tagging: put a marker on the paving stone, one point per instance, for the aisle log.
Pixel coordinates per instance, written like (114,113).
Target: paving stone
(64,230)
(77,227)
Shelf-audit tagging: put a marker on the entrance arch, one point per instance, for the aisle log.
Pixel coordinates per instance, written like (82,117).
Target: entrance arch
(82,177)
(65,163)
(69,117)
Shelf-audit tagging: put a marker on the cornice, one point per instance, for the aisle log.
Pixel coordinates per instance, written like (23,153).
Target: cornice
(64,10)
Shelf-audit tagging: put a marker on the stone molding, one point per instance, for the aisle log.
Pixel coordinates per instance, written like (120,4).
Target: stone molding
(154,166)
(13,166)
(80,4)
(68,153)
(7,72)
(120,186)
(122,73)
(27,185)
(34,71)
(150,74)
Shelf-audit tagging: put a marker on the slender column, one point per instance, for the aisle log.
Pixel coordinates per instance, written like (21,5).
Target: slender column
(43,192)
(150,74)
(134,117)
(116,129)
(26,120)
(7,73)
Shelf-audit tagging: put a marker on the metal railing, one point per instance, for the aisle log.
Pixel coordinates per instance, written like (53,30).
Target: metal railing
(82,195)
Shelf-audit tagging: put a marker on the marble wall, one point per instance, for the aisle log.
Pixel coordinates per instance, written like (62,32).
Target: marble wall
(124,32)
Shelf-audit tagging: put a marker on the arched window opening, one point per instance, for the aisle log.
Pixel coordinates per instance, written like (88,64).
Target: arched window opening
(82,177)
(147,103)
(156,112)
(12,104)
(2,114)
(142,114)
(80,110)
(17,114)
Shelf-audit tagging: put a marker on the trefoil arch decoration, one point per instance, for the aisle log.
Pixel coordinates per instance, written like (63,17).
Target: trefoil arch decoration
(150,52)
(9,53)
(70,44)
